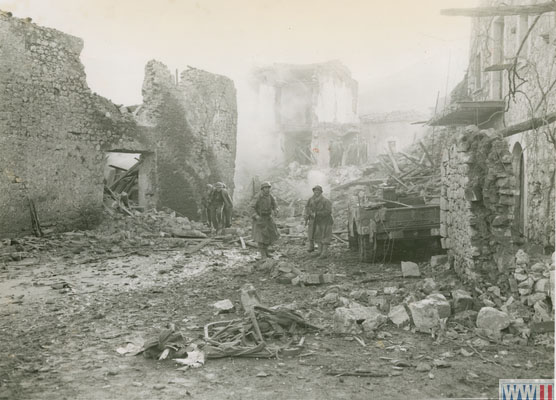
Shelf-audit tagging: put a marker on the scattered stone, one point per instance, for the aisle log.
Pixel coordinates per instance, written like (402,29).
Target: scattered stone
(520,276)
(381,302)
(427,313)
(429,285)
(462,300)
(410,269)
(492,319)
(441,364)
(423,367)
(495,290)
(390,290)
(439,260)
(224,306)
(534,298)
(374,321)
(317,279)
(542,312)
(398,315)
(349,320)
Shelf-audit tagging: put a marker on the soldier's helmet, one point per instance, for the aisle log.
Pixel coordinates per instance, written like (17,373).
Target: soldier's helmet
(318,187)
(266,184)
(219,185)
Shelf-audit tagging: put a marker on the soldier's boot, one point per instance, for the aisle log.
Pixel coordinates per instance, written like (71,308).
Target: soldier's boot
(324,251)
(319,250)
(263,250)
(311,246)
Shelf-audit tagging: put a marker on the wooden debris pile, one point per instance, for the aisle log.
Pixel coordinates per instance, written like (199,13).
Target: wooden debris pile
(262,333)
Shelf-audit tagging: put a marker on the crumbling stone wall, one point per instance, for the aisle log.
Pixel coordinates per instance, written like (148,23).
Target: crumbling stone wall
(512,59)
(477,202)
(193,127)
(53,130)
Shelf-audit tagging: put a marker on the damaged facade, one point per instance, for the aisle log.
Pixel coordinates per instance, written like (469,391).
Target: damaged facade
(499,178)
(55,133)
(314,112)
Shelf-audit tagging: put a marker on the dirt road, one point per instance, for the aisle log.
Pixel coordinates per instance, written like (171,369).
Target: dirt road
(62,319)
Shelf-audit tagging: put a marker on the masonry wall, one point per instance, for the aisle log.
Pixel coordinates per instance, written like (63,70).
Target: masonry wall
(477,202)
(53,130)
(193,127)
(528,92)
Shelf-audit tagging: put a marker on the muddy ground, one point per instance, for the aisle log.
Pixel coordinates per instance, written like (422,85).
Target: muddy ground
(64,313)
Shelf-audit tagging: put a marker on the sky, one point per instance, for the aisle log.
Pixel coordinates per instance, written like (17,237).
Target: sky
(402,52)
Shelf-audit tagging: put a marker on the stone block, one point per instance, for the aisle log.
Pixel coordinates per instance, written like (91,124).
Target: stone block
(521,257)
(399,316)
(410,269)
(493,320)
(538,267)
(224,306)
(462,300)
(543,285)
(427,313)
(439,260)
(429,285)
(349,320)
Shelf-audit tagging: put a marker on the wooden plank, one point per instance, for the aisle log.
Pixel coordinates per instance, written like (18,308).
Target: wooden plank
(500,10)
(426,153)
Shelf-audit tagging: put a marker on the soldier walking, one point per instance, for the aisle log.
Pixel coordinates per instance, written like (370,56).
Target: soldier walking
(318,215)
(264,229)
(218,198)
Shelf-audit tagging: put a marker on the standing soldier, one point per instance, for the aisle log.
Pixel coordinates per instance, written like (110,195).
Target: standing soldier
(206,204)
(318,215)
(218,198)
(228,207)
(264,229)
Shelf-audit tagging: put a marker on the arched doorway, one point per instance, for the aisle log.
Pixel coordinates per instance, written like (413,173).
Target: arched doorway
(519,173)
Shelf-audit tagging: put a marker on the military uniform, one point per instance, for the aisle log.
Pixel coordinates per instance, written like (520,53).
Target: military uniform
(318,214)
(264,230)
(218,198)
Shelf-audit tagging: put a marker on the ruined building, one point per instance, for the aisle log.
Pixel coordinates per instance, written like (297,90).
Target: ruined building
(499,178)
(314,111)
(55,133)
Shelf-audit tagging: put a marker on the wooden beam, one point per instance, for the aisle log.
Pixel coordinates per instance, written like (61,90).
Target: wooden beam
(500,10)
(529,124)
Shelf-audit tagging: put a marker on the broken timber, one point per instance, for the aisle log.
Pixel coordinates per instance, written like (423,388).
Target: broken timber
(532,123)
(500,11)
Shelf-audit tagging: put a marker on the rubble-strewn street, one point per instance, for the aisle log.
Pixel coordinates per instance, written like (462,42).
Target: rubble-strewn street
(72,303)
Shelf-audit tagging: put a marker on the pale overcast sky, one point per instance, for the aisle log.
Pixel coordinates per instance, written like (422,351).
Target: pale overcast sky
(402,52)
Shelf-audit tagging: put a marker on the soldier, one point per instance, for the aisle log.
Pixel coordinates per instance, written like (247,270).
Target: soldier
(206,204)
(264,229)
(228,208)
(318,215)
(218,198)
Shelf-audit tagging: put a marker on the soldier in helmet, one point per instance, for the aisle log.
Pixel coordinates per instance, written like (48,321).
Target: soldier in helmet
(318,215)
(264,229)
(218,198)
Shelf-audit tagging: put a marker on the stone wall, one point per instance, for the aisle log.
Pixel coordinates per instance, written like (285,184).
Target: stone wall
(477,202)
(529,92)
(193,126)
(53,130)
